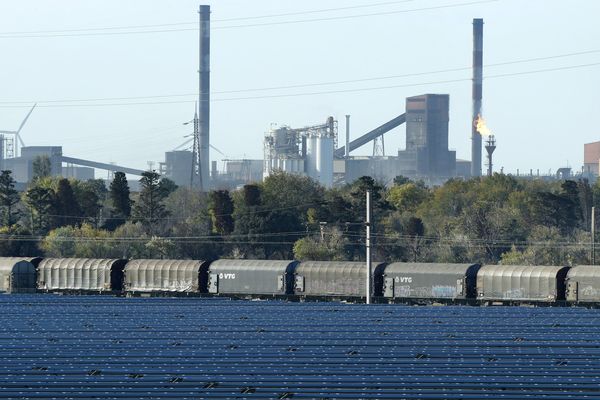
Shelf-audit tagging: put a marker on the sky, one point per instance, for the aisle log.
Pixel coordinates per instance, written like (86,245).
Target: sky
(139,59)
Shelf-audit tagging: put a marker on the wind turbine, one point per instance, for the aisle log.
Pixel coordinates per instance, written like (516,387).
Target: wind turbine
(17,133)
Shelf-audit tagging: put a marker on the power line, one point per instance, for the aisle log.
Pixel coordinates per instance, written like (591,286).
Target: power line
(50,35)
(213,20)
(303,85)
(284,95)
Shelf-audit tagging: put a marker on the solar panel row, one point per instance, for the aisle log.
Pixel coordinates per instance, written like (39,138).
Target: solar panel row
(124,348)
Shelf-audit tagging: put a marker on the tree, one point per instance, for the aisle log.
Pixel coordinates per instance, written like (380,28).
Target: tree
(167,186)
(407,197)
(42,167)
(68,210)
(120,200)
(161,247)
(40,201)
(9,198)
(190,219)
(89,196)
(17,242)
(60,242)
(128,241)
(220,209)
(401,180)
(331,247)
(249,222)
(150,210)
(119,195)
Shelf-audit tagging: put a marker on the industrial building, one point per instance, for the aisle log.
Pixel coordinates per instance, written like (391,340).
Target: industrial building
(591,158)
(426,155)
(305,151)
(60,165)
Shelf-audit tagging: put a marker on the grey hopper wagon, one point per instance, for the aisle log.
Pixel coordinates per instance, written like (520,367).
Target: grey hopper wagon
(174,276)
(583,284)
(251,277)
(527,283)
(335,278)
(17,275)
(81,274)
(430,281)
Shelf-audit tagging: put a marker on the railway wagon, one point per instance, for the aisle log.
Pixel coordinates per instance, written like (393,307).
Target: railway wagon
(338,279)
(251,277)
(430,281)
(17,275)
(170,276)
(521,283)
(583,284)
(81,274)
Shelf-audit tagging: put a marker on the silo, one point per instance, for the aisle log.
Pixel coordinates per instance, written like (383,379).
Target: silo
(319,158)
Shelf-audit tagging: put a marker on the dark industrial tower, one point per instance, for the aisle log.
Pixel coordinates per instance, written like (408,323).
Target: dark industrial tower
(204,104)
(477,95)
(490,146)
(427,118)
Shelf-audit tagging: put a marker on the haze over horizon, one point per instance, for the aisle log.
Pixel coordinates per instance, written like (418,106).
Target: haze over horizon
(122,95)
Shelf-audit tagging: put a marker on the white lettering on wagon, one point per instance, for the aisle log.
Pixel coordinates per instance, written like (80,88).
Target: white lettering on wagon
(226,276)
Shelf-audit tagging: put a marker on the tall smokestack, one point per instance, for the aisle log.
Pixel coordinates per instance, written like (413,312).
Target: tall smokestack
(477,95)
(204,87)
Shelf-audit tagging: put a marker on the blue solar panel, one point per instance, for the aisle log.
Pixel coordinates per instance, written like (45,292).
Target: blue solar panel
(193,348)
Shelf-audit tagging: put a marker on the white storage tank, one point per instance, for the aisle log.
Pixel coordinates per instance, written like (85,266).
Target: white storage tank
(319,159)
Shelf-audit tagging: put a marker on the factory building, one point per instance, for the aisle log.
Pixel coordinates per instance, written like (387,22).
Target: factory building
(22,167)
(591,158)
(177,167)
(426,156)
(303,151)
(427,151)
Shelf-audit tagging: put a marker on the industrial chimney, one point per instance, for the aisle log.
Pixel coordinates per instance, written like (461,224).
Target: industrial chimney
(477,95)
(204,106)
(490,146)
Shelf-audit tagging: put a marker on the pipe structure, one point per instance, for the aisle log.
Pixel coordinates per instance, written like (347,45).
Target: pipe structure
(368,137)
(477,95)
(204,90)
(347,146)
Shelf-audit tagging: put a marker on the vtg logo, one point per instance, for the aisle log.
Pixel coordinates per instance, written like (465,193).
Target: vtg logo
(403,279)
(226,276)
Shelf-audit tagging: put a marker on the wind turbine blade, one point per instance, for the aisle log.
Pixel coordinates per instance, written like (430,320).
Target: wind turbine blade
(8,132)
(20,140)
(218,151)
(183,144)
(25,120)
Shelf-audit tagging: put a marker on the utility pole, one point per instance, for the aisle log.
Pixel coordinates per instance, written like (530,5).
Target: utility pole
(593,236)
(368,246)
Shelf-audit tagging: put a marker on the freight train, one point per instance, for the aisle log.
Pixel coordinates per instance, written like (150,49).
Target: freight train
(341,280)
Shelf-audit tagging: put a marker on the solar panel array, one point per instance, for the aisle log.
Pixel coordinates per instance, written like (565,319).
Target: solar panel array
(196,348)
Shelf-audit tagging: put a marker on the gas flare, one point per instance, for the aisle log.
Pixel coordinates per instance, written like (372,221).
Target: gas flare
(482,127)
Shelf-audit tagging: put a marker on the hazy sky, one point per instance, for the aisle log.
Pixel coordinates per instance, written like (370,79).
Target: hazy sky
(541,119)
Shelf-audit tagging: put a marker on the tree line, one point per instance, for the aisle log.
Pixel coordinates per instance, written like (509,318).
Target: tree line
(498,219)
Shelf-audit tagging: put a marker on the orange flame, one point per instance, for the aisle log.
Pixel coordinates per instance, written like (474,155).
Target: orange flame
(482,127)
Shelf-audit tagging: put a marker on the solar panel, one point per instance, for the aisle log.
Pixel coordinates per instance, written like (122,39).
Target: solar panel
(191,348)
